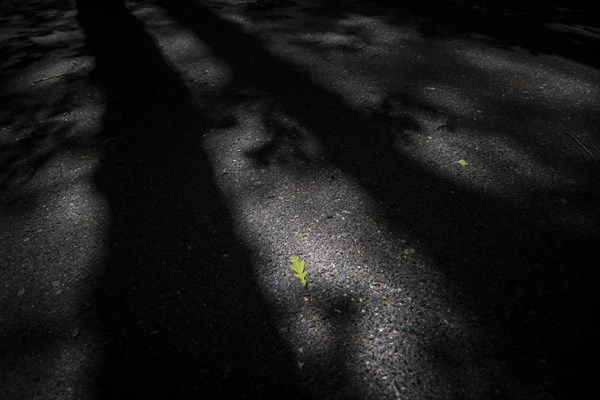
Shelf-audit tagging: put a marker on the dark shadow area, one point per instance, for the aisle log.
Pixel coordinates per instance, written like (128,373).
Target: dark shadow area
(532,282)
(179,312)
(565,28)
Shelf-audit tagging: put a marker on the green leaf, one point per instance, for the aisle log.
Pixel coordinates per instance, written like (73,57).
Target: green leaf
(463,163)
(297,266)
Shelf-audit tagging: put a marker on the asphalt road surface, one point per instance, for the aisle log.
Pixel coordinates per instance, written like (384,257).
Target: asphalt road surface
(434,164)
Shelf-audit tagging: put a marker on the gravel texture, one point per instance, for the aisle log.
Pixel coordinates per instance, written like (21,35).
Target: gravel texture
(160,161)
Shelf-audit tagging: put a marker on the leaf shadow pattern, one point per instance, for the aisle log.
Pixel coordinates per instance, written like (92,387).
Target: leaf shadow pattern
(530,281)
(24,158)
(19,47)
(563,28)
(34,129)
(177,309)
(288,143)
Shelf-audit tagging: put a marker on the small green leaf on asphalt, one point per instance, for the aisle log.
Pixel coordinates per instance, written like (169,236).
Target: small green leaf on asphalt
(297,266)
(463,163)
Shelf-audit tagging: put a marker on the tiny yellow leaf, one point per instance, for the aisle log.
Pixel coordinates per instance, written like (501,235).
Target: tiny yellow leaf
(463,163)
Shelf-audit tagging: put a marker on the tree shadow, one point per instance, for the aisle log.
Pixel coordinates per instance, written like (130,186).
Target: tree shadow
(563,28)
(178,310)
(530,280)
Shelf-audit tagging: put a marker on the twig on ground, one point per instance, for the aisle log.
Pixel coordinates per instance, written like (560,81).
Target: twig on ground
(34,129)
(581,145)
(53,77)
(374,55)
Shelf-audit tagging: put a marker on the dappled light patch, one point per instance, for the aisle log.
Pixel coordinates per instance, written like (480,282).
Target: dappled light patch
(44,334)
(185,51)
